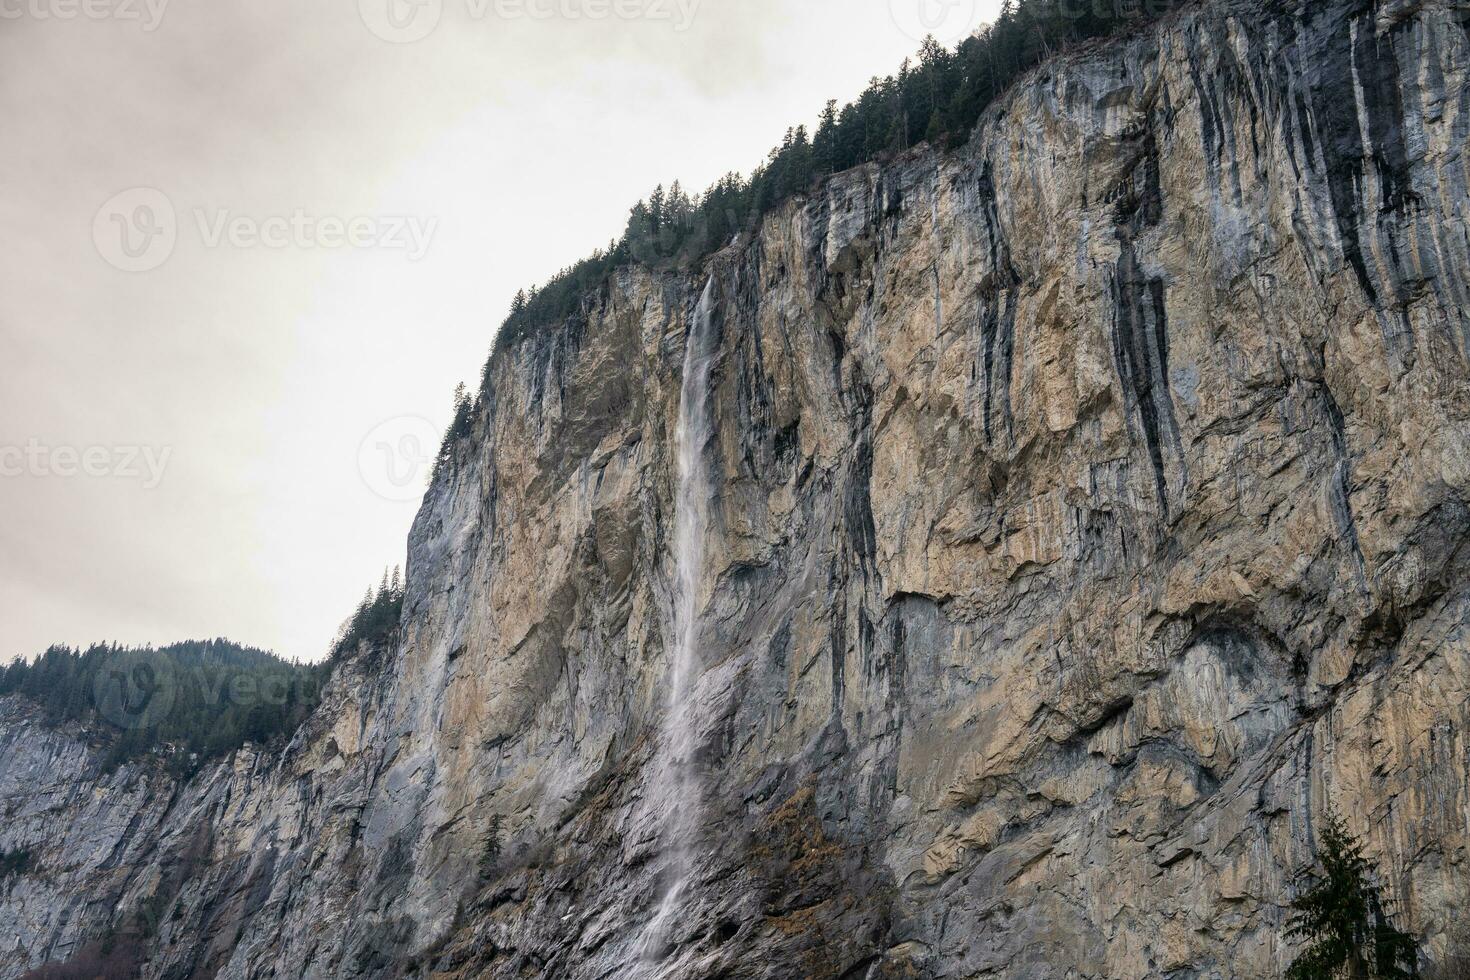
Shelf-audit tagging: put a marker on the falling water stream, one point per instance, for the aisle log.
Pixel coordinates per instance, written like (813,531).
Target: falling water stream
(679,790)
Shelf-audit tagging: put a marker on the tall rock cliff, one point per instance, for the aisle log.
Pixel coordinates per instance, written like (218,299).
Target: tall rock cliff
(1082,514)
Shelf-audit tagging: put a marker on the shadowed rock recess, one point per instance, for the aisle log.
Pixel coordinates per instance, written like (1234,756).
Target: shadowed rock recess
(1087,513)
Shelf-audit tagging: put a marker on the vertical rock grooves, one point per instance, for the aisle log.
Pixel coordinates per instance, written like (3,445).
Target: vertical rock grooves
(788,630)
(998,315)
(1140,323)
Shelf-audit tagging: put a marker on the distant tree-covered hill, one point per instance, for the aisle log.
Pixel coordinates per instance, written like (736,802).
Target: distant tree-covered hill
(186,703)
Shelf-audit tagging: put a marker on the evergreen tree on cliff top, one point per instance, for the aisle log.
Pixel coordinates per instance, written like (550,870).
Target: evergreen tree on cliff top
(1343,919)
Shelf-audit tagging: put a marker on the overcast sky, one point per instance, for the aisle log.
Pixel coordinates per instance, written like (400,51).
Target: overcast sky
(252,245)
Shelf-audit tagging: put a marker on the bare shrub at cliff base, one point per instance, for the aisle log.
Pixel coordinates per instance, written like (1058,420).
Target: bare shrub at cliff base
(1454,962)
(1344,919)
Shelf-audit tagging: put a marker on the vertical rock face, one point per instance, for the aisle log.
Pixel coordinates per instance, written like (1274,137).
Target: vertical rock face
(1087,514)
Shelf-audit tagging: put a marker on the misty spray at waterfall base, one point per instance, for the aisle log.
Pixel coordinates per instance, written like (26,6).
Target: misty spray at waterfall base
(677,779)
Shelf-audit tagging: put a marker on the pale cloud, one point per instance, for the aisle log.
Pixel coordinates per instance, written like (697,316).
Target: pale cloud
(267,343)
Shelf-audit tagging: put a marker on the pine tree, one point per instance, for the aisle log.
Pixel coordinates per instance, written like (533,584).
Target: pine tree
(491,855)
(460,427)
(935,128)
(824,144)
(899,138)
(656,207)
(1344,920)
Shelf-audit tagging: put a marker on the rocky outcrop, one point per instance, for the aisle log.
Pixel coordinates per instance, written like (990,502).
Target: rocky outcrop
(1087,515)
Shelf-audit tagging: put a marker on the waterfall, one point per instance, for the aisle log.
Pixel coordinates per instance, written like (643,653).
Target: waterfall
(679,785)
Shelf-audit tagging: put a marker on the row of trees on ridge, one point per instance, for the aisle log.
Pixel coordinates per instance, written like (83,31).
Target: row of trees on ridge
(937,97)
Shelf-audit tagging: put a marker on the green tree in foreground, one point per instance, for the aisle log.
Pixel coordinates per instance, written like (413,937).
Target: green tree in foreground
(1343,919)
